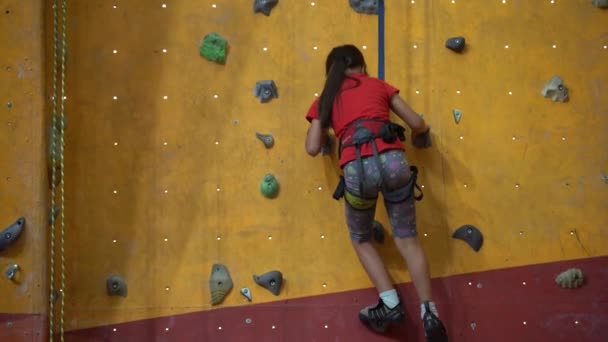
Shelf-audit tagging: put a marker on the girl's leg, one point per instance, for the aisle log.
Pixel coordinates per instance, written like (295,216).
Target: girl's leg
(417,265)
(371,261)
(403,220)
(360,222)
(402,216)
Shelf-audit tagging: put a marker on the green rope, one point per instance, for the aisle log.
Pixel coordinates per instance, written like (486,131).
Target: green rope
(55,137)
(53,172)
(62,158)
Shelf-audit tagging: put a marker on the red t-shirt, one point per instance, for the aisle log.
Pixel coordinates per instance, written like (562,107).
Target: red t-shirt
(371,99)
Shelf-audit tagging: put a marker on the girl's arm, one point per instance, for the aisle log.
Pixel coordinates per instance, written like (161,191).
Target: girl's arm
(315,137)
(407,114)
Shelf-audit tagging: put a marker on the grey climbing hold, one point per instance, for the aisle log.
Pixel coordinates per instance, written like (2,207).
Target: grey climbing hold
(9,105)
(571,279)
(556,90)
(378,231)
(264,6)
(246,293)
(265,90)
(59,121)
(272,281)
(116,286)
(267,139)
(457,115)
(365,6)
(10,234)
(220,283)
(57,151)
(11,271)
(600,3)
(53,213)
(471,235)
(605,177)
(55,296)
(455,44)
(423,140)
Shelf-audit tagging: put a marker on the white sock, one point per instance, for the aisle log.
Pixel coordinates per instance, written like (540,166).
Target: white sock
(433,309)
(390,298)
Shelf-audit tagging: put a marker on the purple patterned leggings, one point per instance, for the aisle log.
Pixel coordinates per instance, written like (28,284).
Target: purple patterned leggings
(402,216)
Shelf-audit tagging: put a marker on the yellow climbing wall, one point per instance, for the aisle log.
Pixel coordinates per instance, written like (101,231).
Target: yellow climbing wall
(23,180)
(163,166)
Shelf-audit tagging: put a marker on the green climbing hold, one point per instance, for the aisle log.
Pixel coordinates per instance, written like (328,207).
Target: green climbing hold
(214,48)
(269,186)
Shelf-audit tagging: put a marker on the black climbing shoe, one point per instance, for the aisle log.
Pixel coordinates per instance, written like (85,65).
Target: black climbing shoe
(433,328)
(380,316)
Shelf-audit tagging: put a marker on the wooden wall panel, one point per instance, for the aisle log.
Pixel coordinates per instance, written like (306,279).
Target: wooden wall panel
(187,169)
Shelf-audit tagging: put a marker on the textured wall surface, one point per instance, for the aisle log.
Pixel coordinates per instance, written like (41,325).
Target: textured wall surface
(163,167)
(23,184)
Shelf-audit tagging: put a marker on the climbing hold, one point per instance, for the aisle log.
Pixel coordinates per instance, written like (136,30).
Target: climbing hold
(470,235)
(378,231)
(11,271)
(246,292)
(423,140)
(264,6)
(220,283)
(267,139)
(116,286)
(265,90)
(269,186)
(271,281)
(56,131)
(328,146)
(455,44)
(556,89)
(214,48)
(600,3)
(9,105)
(54,212)
(57,151)
(605,177)
(10,234)
(59,121)
(457,115)
(55,296)
(365,6)
(572,278)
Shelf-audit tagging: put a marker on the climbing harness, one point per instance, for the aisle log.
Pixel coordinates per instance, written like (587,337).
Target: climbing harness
(363,131)
(58,137)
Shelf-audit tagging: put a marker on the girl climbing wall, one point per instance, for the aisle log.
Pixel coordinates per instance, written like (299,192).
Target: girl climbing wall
(372,156)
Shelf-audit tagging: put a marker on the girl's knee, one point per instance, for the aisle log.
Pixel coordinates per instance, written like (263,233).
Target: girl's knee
(407,241)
